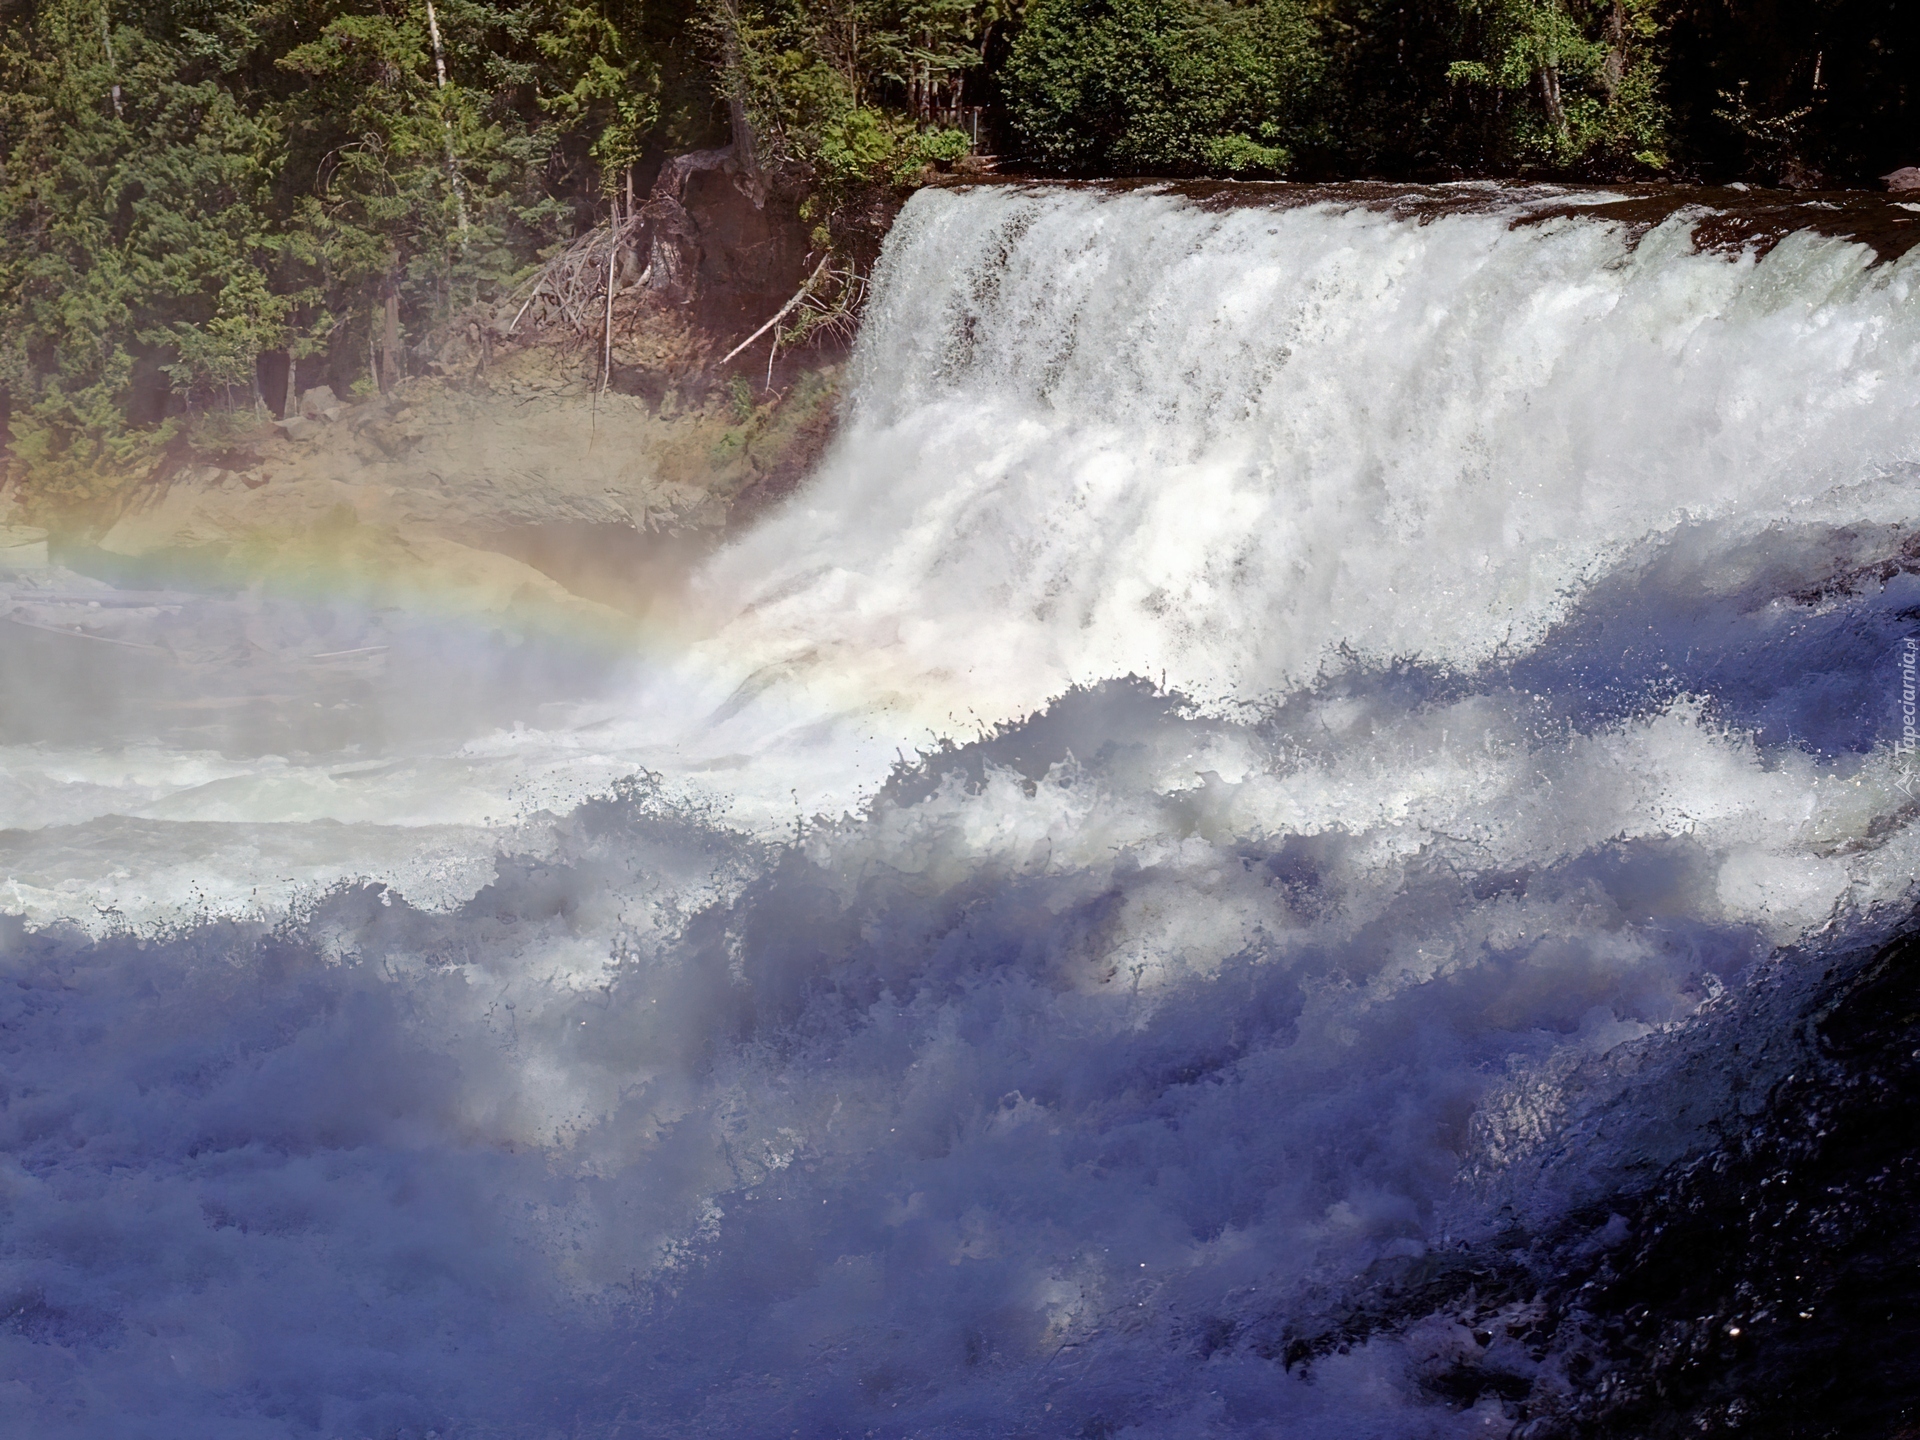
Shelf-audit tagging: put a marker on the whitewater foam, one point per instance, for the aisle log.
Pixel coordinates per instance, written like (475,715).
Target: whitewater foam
(1519,611)
(1105,435)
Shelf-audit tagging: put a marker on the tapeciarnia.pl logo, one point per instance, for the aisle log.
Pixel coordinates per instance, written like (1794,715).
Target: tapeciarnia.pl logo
(1909,732)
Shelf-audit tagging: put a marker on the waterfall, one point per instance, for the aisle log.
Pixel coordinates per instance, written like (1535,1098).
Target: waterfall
(1336,751)
(1096,434)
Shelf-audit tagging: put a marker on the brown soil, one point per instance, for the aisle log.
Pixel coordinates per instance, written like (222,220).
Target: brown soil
(509,481)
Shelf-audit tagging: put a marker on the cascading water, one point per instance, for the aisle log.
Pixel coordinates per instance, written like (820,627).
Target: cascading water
(1405,708)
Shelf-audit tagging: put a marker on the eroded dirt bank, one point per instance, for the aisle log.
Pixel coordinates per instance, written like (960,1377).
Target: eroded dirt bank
(508,483)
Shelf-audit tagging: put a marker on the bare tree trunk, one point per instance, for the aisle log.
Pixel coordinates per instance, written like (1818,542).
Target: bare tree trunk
(1614,69)
(453,168)
(748,171)
(606,333)
(106,39)
(1550,97)
(390,342)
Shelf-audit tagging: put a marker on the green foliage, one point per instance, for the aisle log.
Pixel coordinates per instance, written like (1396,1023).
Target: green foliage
(132,209)
(609,84)
(388,195)
(186,185)
(869,144)
(838,92)
(1182,86)
(1212,87)
(1581,78)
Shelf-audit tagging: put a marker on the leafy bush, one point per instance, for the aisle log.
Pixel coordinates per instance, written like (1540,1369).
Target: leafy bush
(1172,86)
(869,145)
(188,184)
(1582,79)
(840,93)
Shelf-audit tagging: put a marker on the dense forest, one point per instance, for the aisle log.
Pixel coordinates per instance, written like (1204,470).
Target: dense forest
(187,186)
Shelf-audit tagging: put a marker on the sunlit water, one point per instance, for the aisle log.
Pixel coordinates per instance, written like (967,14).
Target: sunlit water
(1261,714)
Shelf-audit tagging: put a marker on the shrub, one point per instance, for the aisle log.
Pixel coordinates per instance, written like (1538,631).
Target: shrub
(1166,86)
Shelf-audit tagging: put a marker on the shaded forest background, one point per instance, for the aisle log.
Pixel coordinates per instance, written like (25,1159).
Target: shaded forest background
(188,186)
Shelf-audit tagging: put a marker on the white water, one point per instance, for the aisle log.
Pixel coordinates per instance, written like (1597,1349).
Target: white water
(979,1110)
(1103,435)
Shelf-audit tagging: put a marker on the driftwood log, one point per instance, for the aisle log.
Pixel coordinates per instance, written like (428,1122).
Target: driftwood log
(782,313)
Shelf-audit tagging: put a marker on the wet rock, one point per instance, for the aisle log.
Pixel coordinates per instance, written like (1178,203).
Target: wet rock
(1767,1287)
(1797,174)
(438,462)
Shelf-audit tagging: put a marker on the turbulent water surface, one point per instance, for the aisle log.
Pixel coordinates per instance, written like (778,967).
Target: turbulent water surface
(1306,831)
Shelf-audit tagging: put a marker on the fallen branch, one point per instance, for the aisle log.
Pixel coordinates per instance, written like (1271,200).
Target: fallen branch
(523,310)
(343,654)
(838,317)
(571,280)
(784,310)
(83,635)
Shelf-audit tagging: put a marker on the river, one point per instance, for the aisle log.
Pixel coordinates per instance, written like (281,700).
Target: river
(1303,757)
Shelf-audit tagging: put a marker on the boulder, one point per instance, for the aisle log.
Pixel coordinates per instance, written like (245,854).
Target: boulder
(394,439)
(315,403)
(1905,178)
(295,427)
